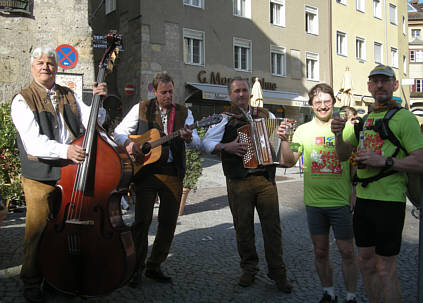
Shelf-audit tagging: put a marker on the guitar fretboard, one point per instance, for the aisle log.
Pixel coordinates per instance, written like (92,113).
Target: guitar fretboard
(171,136)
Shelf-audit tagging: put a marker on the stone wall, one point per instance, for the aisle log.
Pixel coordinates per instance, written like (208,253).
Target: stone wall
(52,23)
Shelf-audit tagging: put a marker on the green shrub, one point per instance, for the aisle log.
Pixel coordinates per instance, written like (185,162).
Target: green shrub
(10,167)
(193,165)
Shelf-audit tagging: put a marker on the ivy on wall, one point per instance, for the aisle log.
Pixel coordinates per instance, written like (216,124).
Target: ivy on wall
(10,167)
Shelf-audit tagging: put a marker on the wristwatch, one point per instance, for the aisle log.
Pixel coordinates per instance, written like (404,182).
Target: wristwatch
(389,162)
(222,147)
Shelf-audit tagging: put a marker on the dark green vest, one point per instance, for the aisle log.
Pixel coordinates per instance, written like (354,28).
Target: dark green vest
(233,166)
(39,102)
(149,117)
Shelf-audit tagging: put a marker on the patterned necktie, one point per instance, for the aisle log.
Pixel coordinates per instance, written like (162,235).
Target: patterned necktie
(52,95)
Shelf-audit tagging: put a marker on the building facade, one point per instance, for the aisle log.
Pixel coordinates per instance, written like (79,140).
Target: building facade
(364,34)
(204,43)
(415,44)
(27,24)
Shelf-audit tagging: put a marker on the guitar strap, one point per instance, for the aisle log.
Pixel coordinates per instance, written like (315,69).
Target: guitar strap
(171,118)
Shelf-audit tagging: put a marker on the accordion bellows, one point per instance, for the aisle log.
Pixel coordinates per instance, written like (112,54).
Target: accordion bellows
(264,145)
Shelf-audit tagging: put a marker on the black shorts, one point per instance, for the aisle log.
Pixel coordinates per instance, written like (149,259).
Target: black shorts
(379,224)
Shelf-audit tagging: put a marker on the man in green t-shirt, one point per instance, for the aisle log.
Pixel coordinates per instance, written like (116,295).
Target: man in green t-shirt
(327,191)
(380,207)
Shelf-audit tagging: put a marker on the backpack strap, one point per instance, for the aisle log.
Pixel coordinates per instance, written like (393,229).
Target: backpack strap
(358,127)
(365,181)
(385,132)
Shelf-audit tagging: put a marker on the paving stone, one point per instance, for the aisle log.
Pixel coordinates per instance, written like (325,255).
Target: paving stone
(204,261)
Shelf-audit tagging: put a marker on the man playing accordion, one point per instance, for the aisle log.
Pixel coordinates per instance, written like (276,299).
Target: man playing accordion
(249,189)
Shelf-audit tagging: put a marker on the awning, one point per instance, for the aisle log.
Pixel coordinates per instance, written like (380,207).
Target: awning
(211,91)
(220,92)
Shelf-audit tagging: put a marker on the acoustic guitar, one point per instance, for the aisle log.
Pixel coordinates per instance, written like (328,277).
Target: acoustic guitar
(150,142)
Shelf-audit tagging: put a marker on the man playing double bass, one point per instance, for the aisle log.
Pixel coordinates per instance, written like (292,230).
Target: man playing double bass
(163,178)
(47,117)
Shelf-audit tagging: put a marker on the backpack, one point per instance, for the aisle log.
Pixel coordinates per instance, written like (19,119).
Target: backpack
(414,185)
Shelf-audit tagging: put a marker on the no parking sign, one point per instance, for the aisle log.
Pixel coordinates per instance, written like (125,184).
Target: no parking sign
(68,56)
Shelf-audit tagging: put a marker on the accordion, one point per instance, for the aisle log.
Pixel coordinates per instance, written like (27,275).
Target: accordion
(264,145)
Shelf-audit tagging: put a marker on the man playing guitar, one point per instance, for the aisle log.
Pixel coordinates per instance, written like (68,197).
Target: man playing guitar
(163,177)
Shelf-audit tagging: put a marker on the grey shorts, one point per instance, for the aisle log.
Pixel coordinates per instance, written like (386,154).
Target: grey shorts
(320,219)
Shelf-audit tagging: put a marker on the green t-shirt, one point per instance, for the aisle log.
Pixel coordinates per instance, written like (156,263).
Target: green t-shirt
(407,130)
(326,180)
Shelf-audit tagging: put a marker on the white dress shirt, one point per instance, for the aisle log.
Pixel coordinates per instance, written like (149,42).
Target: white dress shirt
(129,125)
(39,145)
(215,134)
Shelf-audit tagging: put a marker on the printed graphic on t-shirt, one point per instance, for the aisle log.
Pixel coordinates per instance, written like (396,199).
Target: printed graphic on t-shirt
(372,140)
(323,157)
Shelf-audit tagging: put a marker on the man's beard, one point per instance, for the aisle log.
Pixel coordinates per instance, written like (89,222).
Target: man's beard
(383,99)
(384,102)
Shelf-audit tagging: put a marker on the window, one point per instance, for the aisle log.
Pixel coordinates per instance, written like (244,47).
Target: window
(377,9)
(412,56)
(110,6)
(415,33)
(341,43)
(394,57)
(404,65)
(312,21)
(378,54)
(312,66)
(416,55)
(196,3)
(193,47)
(242,54)
(360,5)
(277,12)
(393,14)
(418,86)
(404,26)
(278,60)
(360,48)
(242,8)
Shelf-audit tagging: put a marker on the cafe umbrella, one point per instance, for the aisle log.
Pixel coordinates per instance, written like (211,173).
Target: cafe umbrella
(344,94)
(256,97)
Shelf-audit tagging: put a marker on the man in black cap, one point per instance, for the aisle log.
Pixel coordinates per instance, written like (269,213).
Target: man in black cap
(382,183)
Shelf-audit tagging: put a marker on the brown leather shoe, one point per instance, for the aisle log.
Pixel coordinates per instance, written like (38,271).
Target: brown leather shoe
(158,275)
(33,295)
(246,279)
(283,285)
(136,279)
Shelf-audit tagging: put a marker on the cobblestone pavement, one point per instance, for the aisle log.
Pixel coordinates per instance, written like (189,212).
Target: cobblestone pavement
(203,260)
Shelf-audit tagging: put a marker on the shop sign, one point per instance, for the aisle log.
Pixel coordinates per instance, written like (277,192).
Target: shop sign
(216,78)
(15,6)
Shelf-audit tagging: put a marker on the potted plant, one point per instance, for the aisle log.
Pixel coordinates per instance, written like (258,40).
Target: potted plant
(10,185)
(193,172)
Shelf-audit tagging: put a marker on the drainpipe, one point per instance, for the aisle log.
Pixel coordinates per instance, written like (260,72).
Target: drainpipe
(386,34)
(330,46)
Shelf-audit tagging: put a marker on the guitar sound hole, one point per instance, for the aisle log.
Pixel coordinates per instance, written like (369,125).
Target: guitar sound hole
(146,147)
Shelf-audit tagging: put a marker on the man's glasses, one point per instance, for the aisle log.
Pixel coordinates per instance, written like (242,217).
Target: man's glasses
(320,103)
(382,80)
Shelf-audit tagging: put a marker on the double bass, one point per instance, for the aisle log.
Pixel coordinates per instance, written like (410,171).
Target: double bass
(86,248)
